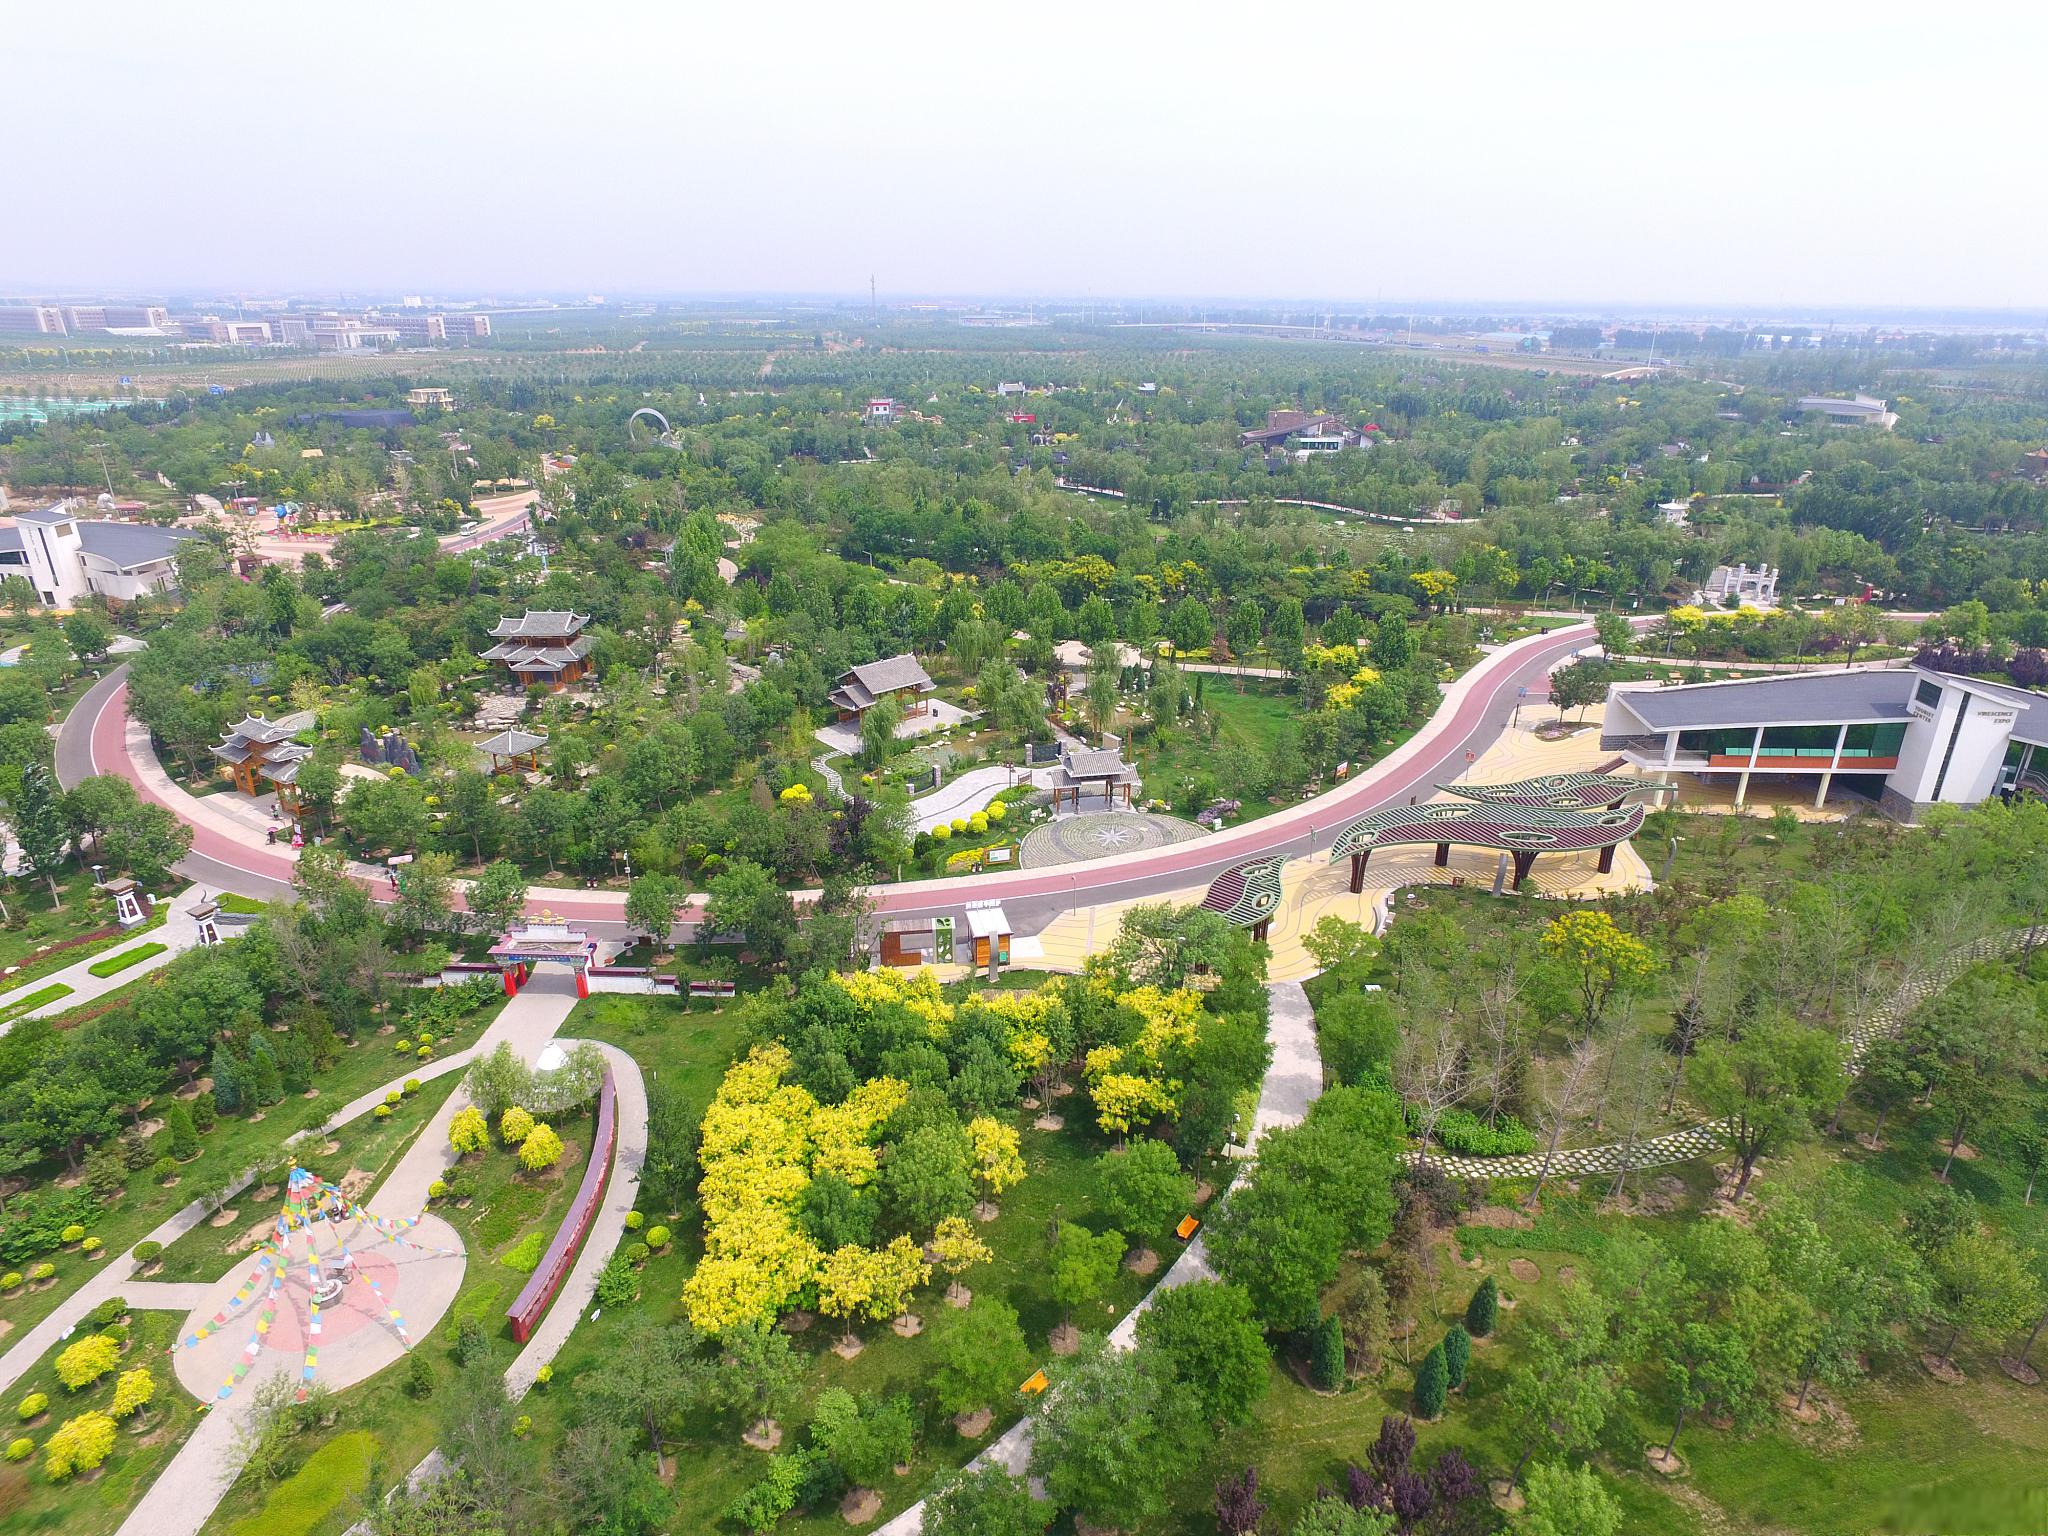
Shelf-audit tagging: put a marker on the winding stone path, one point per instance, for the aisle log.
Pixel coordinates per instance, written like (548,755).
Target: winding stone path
(1708,1137)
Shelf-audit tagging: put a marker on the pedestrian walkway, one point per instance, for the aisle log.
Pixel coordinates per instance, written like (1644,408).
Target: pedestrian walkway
(963,795)
(177,933)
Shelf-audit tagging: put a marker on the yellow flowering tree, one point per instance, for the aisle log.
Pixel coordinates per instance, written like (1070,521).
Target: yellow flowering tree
(542,1148)
(79,1445)
(83,1363)
(1595,960)
(514,1126)
(132,1390)
(997,1162)
(955,1247)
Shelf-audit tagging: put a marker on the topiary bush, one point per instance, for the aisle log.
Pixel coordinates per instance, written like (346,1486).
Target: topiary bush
(438,1190)
(542,1148)
(657,1238)
(20,1449)
(1457,1356)
(91,1245)
(514,1126)
(85,1362)
(634,1221)
(1326,1353)
(543,1376)
(11,1281)
(425,1053)
(148,1253)
(469,1131)
(73,1234)
(636,1254)
(164,1169)
(43,1271)
(1482,1312)
(110,1310)
(30,1406)
(412,1086)
(382,1112)
(1432,1382)
(393,1096)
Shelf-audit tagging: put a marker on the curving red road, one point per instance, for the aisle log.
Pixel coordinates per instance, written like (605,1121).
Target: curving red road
(1476,708)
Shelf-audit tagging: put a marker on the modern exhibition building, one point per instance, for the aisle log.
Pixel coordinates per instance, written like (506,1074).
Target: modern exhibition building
(1905,737)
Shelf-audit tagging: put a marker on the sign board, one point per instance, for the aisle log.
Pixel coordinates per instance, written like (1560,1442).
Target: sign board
(942,941)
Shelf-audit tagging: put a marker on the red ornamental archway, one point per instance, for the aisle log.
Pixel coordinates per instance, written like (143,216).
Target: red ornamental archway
(546,941)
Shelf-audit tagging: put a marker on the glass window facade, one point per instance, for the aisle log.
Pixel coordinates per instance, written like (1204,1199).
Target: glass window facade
(1875,740)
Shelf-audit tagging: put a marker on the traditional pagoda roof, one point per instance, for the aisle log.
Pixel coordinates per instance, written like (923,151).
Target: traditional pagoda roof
(1095,763)
(512,743)
(521,656)
(1515,828)
(540,624)
(861,686)
(283,765)
(1560,791)
(1248,894)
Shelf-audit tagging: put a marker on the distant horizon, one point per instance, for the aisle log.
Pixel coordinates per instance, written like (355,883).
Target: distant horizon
(1303,310)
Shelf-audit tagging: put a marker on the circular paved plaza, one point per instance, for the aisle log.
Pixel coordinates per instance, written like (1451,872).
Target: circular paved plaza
(1099,834)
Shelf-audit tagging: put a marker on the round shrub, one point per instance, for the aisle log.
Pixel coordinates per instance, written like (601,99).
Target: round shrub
(393,1096)
(402,1047)
(634,1221)
(426,1037)
(73,1233)
(438,1190)
(542,1148)
(996,811)
(514,1126)
(110,1310)
(977,823)
(544,1375)
(91,1245)
(43,1271)
(146,1253)
(636,1254)
(20,1449)
(941,833)
(31,1405)
(425,1053)
(164,1169)
(657,1238)
(958,824)
(11,1281)
(412,1086)
(382,1111)
(522,1426)
(469,1131)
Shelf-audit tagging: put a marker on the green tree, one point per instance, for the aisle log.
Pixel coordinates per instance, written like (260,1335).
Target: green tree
(1099,700)
(1289,631)
(1432,1381)
(982,1357)
(759,1372)
(653,1384)
(1562,1500)
(927,1176)
(1983,1288)
(426,895)
(1142,1187)
(1559,1398)
(983,1501)
(1457,1355)
(87,634)
(1393,644)
(878,739)
(1332,1515)
(652,905)
(1482,1313)
(1211,1343)
(1083,1265)
(1765,1087)
(745,899)
(864,1436)
(1115,1436)
(38,823)
(497,897)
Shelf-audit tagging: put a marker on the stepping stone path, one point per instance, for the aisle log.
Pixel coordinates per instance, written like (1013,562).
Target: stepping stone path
(1682,1146)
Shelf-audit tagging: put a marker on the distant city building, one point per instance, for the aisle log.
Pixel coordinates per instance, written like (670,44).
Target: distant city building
(430,397)
(1862,411)
(67,558)
(882,411)
(117,317)
(345,333)
(544,646)
(1758,588)
(31,320)
(1675,512)
(290,330)
(1003,391)
(236,333)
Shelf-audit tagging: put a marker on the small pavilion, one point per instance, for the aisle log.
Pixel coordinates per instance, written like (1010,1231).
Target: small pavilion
(514,749)
(542,942)
(1093,768)
(1248,895)
(1510,826)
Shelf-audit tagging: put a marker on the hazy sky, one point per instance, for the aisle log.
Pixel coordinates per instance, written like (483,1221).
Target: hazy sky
(1734,153)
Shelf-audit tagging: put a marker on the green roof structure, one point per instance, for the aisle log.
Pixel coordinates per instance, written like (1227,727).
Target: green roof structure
(1561,791)
(1248,895)
(1521,830)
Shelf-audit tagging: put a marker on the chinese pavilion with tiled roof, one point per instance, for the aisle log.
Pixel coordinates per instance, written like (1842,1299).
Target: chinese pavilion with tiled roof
(543,646)
(259,751)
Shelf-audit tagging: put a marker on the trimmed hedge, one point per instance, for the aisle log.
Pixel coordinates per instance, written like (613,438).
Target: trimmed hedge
(114,964)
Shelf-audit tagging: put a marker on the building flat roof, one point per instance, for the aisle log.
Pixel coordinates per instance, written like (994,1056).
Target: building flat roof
(1818,698)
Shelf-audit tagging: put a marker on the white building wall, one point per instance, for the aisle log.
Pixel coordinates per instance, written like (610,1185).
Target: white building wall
(1977,727)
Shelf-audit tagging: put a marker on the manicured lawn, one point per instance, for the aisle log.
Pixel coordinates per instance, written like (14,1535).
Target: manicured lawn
(93,1506)
(35,923)
(35,1000)
(114,964)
